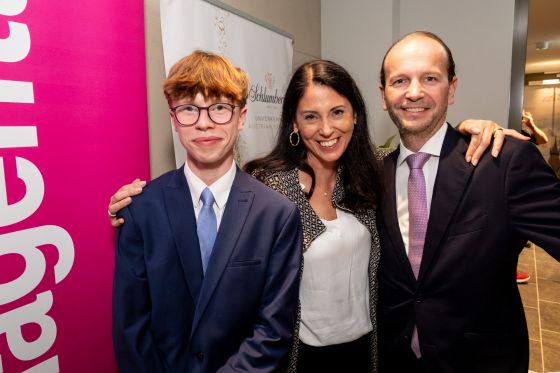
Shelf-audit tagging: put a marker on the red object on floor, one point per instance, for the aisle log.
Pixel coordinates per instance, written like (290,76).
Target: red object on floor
(522,278)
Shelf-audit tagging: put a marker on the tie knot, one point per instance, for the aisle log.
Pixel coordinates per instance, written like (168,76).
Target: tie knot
(207,197)
(417,160)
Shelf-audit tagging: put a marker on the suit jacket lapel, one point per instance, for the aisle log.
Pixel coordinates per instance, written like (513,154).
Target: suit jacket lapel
(452,178)
(183,226)
(237,208)
(389,210)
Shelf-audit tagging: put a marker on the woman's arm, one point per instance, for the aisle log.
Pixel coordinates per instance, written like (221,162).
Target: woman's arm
(122,198)
(482,132)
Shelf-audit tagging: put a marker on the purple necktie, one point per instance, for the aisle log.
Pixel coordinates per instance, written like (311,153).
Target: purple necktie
(418,221)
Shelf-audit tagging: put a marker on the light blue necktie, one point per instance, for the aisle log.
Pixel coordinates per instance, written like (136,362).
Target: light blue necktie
(206,227)
(418,222)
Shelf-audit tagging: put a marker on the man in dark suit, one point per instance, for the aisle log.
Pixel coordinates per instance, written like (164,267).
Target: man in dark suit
(207,266)
(450,232)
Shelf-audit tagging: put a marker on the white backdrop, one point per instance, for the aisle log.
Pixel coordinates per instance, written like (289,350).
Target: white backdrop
(265,55)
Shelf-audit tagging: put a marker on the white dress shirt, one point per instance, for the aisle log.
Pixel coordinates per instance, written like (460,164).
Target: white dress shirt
(433,147)
(334,288)
(220,189)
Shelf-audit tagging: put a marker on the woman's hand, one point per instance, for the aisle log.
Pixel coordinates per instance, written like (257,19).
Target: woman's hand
(482,132)
(539,135)
(122,198)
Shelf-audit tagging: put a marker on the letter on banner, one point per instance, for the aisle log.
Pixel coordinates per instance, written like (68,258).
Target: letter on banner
(17,136)
(12,322)
(25,243)
(16,91)
(47,366)
(35,190)
(16,46)
(12,7)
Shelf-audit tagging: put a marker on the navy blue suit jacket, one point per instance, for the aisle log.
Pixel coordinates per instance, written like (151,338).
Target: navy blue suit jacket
(466,304)
(168,317)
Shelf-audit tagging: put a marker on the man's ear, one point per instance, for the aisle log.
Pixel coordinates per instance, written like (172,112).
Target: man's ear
(382,91)
(452,88)
(173,121)
(242,117)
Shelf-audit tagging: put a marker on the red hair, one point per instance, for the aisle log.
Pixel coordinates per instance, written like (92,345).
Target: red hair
(207,73)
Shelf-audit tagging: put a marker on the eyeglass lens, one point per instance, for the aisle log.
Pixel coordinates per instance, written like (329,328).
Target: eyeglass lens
(219,113)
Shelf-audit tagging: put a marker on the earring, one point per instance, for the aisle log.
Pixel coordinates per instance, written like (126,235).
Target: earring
(294,132)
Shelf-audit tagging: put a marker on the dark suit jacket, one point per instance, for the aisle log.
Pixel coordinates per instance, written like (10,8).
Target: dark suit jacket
(466,304)
(240,316)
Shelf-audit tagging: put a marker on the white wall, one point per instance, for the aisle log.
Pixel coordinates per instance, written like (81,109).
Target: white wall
(356,34)
(162,157)
(479,33)
(301,19)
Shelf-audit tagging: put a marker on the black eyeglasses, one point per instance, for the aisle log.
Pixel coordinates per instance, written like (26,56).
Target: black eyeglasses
(188,114)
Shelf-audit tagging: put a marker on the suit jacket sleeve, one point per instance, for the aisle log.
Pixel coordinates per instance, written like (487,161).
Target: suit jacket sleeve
(274,326)
(533,192)
(135,348)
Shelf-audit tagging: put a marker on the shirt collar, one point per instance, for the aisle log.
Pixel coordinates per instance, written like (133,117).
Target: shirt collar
(220,188)
(432,146)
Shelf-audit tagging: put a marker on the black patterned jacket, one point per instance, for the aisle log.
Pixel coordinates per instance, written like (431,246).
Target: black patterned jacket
(287,183)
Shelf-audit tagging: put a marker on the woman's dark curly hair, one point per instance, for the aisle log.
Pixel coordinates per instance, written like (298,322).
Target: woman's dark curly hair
(361,171)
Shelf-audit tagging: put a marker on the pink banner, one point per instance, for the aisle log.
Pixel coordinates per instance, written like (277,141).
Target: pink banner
(73,127)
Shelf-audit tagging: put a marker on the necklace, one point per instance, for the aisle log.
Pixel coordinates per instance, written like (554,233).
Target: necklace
(326,193)
(302,185)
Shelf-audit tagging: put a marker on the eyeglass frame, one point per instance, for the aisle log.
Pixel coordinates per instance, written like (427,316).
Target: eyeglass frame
(200,108)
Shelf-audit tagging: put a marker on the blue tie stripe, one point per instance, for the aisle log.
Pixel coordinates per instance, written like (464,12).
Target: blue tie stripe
(206,227)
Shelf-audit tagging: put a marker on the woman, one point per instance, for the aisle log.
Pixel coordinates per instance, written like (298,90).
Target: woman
(325,163)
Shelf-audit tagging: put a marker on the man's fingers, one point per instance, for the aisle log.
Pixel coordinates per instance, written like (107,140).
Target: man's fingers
(117,222)
(499,137)
(475,139)
(486,138)
(128,190)
(120,204)
(514,133)
(123,198)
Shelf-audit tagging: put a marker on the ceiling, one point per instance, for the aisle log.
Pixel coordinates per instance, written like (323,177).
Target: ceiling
(544,25)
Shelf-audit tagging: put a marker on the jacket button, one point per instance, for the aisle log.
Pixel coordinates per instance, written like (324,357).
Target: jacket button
(199,355)
(419,299)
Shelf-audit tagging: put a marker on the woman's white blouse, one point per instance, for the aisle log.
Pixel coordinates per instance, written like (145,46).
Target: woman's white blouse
(334,292)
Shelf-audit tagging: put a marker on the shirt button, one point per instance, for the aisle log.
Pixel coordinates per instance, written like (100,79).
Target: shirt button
(199,355)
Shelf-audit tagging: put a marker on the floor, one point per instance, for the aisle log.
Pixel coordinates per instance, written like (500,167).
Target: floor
(541,300)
